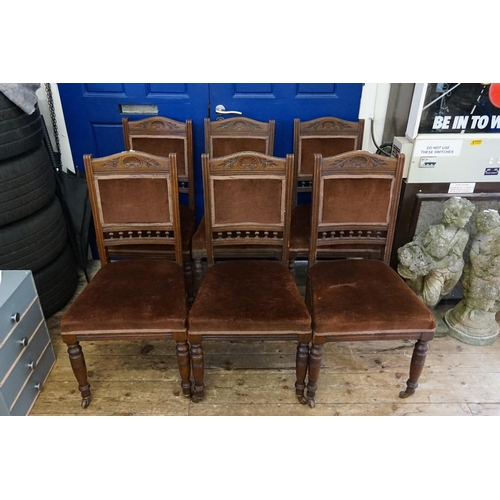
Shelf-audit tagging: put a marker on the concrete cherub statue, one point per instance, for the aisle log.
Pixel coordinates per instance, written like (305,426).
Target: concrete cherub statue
(432,263)
(472,320)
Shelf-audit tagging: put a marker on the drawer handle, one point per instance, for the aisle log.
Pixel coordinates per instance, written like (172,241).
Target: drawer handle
(15,317)
(24,341)
(32,365)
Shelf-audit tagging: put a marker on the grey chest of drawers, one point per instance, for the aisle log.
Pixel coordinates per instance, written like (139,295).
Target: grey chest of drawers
(26,352)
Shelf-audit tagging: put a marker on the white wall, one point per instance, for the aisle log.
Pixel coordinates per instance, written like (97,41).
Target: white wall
(66,158)
(374,100)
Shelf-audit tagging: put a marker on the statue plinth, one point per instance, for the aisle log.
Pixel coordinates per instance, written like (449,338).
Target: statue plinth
(471,325)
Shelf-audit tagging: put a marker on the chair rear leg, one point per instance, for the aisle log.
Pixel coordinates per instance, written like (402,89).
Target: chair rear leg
(315,355)
(197,273)
(198,372)
(77,361)
(416,367)
(189,279)
(301,362)
(184,363)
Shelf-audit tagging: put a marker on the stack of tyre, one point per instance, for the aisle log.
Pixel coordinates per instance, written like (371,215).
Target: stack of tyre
(33,231)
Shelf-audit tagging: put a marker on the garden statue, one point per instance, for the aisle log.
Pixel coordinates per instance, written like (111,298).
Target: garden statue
(472,320)
(432,263)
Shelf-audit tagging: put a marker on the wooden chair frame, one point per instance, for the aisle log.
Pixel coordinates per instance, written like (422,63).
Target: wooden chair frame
(345,239)
(111,234)
(237,236)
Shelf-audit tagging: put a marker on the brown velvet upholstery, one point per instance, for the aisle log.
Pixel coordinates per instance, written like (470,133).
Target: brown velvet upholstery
(266,194)
(135,205)
(327,136)
(222,138)
(362,296)
(248,200)
(245,296)
(354,207)
(161,136)
(223,146)
(130,295)
(136,200)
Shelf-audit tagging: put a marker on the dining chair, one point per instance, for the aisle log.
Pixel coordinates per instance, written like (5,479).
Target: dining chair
(224,137)
(328,136)
(351,296)
(161,136)
(134,198)
(248,200)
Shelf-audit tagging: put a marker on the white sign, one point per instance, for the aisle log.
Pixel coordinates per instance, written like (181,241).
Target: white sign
(437,148)
(461,187)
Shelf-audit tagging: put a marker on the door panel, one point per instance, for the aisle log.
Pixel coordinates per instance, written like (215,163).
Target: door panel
(94,111)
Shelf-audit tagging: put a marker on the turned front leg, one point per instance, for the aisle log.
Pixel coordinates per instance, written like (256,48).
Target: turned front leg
(301,362)
(315,355)
(184,363)
(416,367)
(77,361)
(198,372)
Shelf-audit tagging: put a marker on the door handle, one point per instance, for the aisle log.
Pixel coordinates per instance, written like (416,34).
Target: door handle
(221,110)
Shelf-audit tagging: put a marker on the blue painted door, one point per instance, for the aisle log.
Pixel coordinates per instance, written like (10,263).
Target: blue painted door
(283,102)
(93,111)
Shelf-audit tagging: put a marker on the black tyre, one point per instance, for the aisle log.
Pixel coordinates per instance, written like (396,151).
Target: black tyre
(8,109)
(31,243)
(27,184)
(19,134)
(56,283)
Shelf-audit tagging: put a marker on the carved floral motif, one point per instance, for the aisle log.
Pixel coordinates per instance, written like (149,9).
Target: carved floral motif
(248,162)
(238,125)
(157,125)
(357,161)
(131,161)
(328,126)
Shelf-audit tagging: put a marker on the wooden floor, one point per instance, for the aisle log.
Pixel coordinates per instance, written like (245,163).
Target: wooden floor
(257,378)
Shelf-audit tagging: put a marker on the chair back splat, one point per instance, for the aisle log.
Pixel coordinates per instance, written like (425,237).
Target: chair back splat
(135,202)
(232,135)
(354,208)
(248,199)
(352,292)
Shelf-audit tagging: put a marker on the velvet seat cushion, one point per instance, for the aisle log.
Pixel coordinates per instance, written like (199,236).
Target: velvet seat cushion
(360,296)
(249,296)
(130,295)
(187,221)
